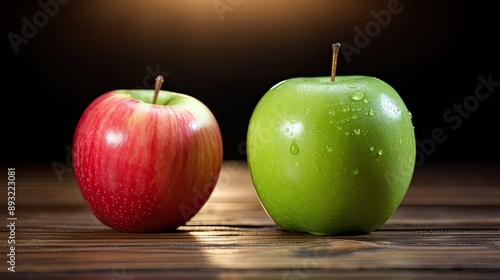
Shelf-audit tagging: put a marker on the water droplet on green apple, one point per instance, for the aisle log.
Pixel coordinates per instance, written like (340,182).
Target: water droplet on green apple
(346,109)
(357,131)
(347,133)
(297,163)
(358,96)
(352,86)
(294,148)
(318,167)
(355,171)
(330,149)
(366,100)
(380,152)
(339,127)
(372,148)
(400,141)
(354,116)
(319,154)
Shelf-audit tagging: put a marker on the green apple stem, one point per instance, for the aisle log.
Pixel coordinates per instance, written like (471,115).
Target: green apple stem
(158,84)
(336,48)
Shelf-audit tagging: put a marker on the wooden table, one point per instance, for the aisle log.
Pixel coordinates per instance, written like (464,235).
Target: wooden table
(448,227)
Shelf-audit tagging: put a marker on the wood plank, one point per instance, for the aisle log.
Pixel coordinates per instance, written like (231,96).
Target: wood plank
(237,248)
(448,227)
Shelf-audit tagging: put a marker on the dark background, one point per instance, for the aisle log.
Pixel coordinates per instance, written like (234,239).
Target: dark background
(432,52)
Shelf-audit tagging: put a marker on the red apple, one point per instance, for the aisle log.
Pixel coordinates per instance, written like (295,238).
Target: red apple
(146,161)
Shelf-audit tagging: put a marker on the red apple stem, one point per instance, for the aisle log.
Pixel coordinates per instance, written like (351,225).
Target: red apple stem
(336,48)
(158,84)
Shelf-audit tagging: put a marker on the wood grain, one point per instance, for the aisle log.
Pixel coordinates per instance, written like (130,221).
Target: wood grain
(448,227)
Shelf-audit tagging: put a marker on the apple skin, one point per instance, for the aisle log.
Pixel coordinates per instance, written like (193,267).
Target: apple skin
(331,157)
(145,167)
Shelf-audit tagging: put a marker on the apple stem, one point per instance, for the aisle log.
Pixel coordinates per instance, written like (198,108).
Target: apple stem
(336,48)
(158,84)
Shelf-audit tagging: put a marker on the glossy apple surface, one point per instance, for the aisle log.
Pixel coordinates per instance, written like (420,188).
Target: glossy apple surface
(331,157)
(144,167)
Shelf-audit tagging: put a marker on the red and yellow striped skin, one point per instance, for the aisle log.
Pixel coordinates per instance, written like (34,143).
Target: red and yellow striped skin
(143,167)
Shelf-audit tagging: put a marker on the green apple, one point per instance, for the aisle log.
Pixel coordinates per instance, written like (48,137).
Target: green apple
(331,155)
